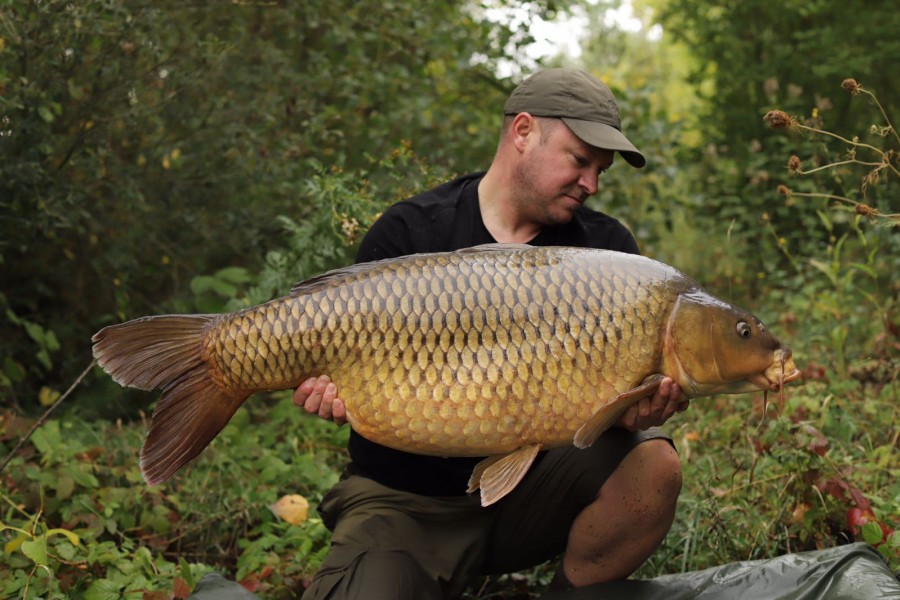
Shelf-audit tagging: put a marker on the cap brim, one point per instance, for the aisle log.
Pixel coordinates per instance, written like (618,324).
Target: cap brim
(607,137)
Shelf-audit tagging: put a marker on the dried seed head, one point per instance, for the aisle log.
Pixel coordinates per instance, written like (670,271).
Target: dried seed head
(350,229)
(851,85)
(794,163)
(866,210)
(777,119)
(784,190)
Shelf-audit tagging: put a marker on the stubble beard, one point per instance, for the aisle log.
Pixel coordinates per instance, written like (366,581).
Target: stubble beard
(536,205)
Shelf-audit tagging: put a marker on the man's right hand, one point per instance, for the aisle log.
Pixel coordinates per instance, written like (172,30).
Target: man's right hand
(318,396)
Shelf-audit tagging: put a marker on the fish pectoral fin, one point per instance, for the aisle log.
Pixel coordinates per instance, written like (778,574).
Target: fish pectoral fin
(499,475)
(613,410)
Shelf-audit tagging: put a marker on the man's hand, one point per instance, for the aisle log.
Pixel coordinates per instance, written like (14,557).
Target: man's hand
(318,396)
(656,410)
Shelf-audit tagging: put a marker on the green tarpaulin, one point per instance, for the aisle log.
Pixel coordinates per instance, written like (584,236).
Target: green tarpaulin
(853,572)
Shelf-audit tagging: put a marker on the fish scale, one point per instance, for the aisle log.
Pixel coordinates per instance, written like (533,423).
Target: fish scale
(494,351)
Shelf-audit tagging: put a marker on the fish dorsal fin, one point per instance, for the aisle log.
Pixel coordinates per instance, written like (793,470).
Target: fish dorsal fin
(612,411)
(499,475)
(495,247)
(313,284)
(308,286)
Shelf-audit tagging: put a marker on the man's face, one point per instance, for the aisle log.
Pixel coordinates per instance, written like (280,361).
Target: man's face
(557,173)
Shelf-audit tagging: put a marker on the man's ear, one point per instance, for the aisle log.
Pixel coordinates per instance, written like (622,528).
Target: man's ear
(523,126)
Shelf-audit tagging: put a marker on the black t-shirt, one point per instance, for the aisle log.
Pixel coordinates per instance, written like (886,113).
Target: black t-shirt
(440,220)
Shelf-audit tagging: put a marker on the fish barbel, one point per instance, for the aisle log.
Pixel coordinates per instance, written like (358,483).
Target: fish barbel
(496,351)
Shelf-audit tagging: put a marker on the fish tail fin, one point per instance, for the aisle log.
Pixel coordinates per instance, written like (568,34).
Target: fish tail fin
(166,352)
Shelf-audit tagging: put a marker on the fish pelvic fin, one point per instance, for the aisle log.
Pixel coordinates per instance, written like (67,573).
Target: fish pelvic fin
(499,475)
(613,410)
(166,353)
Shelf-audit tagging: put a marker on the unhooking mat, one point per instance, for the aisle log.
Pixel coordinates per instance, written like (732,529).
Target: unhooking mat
(852,572)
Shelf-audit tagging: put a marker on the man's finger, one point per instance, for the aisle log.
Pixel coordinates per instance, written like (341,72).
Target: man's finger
(303,391)
(329,392)
(339,412)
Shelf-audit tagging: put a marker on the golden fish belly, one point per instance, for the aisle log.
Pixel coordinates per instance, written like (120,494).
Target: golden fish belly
(460,354)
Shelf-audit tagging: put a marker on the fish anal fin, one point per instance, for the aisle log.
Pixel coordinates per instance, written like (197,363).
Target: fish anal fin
(188,416)
(613,410)
(499,475)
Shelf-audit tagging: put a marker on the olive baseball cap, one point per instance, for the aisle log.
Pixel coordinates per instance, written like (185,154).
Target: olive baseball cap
(584,104)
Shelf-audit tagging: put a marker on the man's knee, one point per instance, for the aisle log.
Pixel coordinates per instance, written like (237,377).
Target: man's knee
(389,574)
(664,467)
(628,519)
(654,467)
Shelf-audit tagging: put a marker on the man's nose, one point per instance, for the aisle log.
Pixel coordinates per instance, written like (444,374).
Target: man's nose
(588,182)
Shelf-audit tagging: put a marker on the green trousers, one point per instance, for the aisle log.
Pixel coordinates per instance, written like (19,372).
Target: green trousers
(389,544)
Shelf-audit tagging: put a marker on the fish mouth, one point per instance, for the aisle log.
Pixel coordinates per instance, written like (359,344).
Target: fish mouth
(781,371)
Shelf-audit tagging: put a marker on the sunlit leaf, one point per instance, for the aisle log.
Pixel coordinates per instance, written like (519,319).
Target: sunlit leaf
(293,508)
(69,534)
(15,543)
(48,396)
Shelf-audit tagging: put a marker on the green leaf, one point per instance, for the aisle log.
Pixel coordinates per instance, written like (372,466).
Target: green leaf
(65,485)
(206,283)
(103,589)
(84,478)
(45,114)
(893,540)
(234,274)
(872,533)
(185,571)
(47,438)
(65,550)
(36,550)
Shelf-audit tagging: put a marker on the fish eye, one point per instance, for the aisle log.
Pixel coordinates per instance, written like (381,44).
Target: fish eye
(744,330)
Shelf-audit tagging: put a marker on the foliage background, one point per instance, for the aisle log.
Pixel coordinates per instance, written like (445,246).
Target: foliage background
(192,158)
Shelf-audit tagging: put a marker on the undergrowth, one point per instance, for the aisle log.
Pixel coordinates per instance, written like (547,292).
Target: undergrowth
(78,520)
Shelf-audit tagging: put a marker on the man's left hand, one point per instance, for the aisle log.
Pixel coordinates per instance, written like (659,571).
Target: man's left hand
(656,410)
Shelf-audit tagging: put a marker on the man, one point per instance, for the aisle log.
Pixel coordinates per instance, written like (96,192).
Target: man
(402,524)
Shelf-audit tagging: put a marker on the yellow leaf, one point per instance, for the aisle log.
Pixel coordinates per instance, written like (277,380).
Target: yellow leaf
(293,508)
(13,545)
(47,396)
(72,536)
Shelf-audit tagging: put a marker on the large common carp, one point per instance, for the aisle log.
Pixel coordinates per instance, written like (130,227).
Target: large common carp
(492,351)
